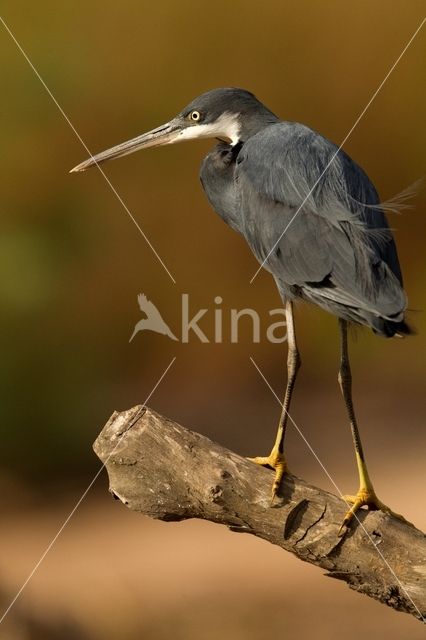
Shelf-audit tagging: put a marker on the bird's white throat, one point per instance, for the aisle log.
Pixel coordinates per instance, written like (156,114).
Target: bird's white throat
(227,126)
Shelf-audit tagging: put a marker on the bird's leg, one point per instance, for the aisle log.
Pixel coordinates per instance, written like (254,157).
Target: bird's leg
(366,495)
(276,459)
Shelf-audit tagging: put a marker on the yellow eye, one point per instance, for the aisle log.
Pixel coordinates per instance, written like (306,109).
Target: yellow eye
(195,116)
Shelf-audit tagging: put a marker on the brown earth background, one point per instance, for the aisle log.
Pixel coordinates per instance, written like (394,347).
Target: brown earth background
(72,264)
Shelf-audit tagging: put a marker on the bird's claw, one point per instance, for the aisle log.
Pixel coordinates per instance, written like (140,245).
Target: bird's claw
(277,462)
(364,498)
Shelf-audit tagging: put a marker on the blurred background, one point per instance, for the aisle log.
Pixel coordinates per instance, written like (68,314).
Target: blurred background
(72,264)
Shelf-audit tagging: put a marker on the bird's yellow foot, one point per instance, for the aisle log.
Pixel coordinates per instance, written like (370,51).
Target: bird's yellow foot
(364,498)
(277,462)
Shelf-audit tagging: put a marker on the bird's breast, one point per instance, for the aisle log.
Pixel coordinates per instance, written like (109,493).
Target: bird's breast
(217,176)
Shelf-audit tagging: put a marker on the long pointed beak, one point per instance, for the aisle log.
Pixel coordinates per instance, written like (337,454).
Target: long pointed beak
(166,134)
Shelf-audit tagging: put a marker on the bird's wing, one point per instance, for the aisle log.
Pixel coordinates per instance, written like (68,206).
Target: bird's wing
(147,307)
(301,218)
(154,317)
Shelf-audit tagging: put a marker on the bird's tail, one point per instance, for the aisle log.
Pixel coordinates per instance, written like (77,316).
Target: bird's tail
(390,329)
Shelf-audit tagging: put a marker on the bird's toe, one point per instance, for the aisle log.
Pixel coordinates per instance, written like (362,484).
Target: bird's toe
(365,498)
(277,462)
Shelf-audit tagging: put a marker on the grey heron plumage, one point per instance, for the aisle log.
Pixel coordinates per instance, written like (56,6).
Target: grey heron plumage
(311,216)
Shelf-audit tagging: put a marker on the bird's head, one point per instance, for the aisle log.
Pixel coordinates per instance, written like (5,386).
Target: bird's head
(232,114)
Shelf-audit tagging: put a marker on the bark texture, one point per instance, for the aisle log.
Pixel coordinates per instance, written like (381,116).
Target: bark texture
(167,472)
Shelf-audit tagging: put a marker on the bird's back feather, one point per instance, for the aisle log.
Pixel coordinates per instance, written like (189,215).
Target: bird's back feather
(300,204)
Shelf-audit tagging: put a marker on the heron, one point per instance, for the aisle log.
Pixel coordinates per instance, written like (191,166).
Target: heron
(312,218)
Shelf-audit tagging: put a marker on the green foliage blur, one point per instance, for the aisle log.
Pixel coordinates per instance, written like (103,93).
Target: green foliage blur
(72,262)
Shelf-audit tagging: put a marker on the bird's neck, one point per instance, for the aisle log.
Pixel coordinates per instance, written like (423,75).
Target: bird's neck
(252,124)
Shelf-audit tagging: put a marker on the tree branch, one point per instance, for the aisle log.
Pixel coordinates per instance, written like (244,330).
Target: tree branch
(161,469)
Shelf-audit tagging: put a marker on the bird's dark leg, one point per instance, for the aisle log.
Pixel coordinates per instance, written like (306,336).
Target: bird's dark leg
(366,495)
(276,459)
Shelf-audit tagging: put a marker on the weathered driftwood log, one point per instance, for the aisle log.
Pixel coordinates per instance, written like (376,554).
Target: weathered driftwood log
(165,471)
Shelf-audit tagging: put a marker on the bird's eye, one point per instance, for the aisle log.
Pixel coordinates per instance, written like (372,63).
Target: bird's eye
(195,116)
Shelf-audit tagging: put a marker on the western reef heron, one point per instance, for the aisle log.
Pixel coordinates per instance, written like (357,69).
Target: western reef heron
(312,218)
